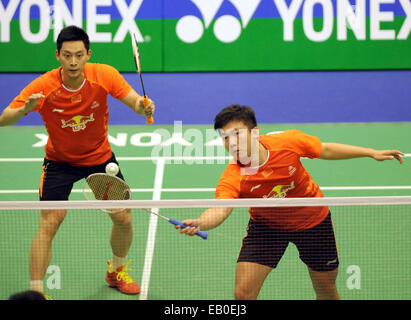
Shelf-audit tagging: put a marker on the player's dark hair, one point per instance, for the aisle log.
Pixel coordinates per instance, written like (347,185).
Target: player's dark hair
(235,112)
(72,33)
(27,295)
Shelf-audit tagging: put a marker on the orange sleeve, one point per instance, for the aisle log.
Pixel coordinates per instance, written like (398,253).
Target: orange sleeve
(113,81)
(305,145)
(36,86)
(228,186)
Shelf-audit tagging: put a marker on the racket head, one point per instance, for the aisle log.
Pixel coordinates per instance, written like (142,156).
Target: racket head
(102,186)
(136,53)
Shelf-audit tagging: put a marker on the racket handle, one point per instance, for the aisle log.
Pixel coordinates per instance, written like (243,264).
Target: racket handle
(149,119)
(199,233)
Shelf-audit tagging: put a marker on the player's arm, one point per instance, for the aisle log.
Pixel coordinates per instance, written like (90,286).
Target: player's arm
(10,116)
(209,219)
(337,151)
(135,102)
(213,217)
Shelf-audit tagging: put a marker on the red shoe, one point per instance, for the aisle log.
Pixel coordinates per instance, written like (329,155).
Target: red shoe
(121,280)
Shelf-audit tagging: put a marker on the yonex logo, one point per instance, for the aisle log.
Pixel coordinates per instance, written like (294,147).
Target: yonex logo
(354,23)
(340,14)
(55,16)
(227,28)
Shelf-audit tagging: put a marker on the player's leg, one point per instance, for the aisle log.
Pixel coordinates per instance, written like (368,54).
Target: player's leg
(55,184)
(120,240)
(318,251)
(121,236)
(249,279)
(261,250)
(122,230)
(40,253)
(324,284)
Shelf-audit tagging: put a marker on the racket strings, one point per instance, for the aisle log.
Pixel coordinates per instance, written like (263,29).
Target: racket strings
(104,187)
(101,186)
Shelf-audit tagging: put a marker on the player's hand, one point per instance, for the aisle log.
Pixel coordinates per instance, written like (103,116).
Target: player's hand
(192,227)
(32,102)
(381,155)
(147,105)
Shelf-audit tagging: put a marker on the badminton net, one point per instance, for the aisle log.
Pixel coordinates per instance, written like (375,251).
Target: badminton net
(372,235)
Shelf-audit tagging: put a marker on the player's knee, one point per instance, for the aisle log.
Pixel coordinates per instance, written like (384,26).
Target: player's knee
(50,221)
(325,288)
(122,218)
(326,292)
(244,294)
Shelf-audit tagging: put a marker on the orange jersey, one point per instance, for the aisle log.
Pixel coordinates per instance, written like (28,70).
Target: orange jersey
(76,120)
(282,175)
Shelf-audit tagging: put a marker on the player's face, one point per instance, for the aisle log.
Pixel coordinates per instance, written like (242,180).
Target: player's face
(73,57)
(239,141)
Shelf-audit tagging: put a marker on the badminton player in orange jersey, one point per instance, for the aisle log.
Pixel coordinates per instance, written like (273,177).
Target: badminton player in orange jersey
(72,101)
(268,166)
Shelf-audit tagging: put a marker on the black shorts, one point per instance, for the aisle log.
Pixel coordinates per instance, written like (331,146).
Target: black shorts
(266,246)
(58,178)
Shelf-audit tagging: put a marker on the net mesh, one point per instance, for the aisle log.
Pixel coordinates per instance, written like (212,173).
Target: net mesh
(372,235)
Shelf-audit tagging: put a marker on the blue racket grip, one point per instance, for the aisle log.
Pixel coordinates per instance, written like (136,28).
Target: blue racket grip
(201,234)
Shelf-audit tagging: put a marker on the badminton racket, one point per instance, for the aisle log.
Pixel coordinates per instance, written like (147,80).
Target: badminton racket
(102,186)
(199,233)
(146,102)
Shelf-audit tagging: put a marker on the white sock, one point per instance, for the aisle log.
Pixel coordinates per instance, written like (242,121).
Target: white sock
(117,262)
(37,285)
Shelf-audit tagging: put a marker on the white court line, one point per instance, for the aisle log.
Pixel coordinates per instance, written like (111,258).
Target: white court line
(177,158)
(213,189)
(151,238)
(183,158)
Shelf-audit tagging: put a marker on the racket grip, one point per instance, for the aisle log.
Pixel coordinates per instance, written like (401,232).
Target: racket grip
(199,233)
(149,120)
(146,102)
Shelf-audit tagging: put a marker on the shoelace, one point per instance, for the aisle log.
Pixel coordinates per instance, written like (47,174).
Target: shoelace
(123,275)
